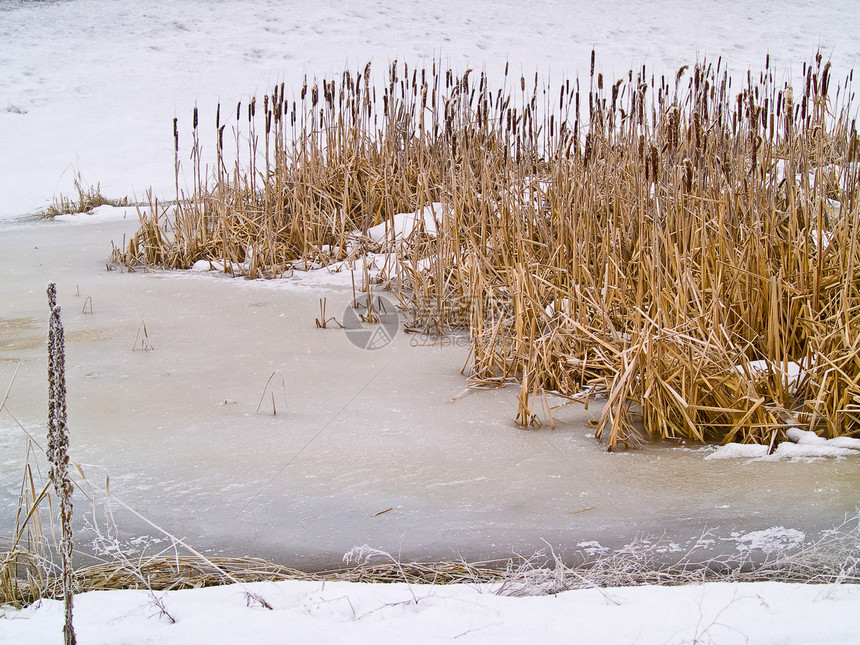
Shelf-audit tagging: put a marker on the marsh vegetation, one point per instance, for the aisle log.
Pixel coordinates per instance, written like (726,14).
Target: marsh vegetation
(686,246)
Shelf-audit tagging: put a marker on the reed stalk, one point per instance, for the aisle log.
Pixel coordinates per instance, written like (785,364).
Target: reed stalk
(58,445)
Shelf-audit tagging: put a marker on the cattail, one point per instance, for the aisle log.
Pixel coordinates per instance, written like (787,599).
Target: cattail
(688,175)
(655,163)
(58,445)
(852,146)
(788,98)
(674,127)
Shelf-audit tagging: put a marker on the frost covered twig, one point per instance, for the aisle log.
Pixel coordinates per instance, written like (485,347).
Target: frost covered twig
(361,555)
(833,558)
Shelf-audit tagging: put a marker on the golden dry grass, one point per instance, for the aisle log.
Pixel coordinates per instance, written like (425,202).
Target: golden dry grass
(644,236)
(89,197)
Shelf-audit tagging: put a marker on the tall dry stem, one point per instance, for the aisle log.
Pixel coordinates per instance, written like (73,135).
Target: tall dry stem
(58,445)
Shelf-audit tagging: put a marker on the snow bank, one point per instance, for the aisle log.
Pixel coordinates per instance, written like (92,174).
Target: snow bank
(341,612)
(402,225)
(99,214)
(739,451)
(803,445)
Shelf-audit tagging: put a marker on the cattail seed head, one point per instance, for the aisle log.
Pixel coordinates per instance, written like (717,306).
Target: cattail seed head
(688,175)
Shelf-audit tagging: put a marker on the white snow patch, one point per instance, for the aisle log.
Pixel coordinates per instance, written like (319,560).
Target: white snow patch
(402,225)
(738,451)
(563,306)
(773,540)
(806,437)
(202,266)
(850,443)
(592,547)
(99,214)
(809,450)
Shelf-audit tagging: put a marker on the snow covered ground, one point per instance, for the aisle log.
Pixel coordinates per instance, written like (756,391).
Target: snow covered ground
(92,86)
(340,612)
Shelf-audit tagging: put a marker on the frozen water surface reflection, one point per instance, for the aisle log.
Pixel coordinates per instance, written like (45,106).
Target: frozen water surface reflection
(366,446)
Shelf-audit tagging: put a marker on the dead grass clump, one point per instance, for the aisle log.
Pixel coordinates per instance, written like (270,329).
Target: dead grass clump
(89,198)
(686,246)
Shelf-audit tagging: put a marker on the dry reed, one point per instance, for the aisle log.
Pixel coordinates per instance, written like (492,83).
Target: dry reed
(831,559)
(58,458)
(89,197)
(647,237)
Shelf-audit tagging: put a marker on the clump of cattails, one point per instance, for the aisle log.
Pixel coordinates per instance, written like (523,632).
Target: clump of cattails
(653,246)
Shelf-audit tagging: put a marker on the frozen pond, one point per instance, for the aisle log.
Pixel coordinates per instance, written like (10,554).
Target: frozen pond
(366,446)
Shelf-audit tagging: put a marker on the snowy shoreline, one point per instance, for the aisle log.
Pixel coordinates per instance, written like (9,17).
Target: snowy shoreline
(360,613)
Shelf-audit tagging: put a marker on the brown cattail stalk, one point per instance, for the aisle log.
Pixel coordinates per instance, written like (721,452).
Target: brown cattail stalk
(58,445)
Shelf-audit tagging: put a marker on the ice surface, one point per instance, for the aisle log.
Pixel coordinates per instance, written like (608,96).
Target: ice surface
(356,432)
